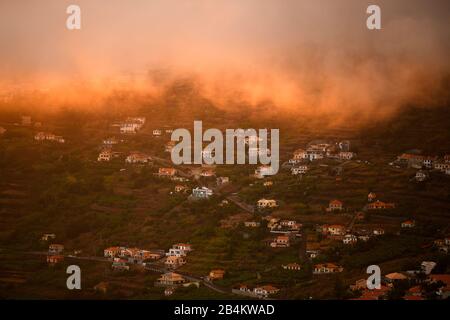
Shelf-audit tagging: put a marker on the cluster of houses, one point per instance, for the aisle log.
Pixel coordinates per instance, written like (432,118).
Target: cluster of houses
(122,256)
(443,245)
(422,283)
(176,256)
(261,292)
(276,225)
(132,125)
(341,233)
(55,252)
(47,136)
(423,163)
(318,150)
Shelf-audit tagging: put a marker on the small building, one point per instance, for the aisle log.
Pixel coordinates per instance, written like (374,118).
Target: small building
(48,236)
(170,279)
(110,141)
(268,183)
(346,155)
(280,242)
(292,266)
(379,205)
(222,180)
(173,262)
(169,291)
(105,155)
(216,274)
(408,224)
(421,176)
(112,252)
(266,203)
(252,224)
(299,170)
(327,268)
(378,232)
(371,196)
(181,188)
(335,205)
(391,278)
(202,193)
(167,172)
(46,136)
(55,249)
(265,291)
(156,132)
(138,157)
(335,230)
(207,173)
(349,239)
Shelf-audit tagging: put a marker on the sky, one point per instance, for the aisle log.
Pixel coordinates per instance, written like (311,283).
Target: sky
(312,56)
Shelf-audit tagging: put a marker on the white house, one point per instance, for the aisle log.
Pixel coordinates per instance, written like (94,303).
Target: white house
(46,136)
(129,127)
(350,239)
(265,291)
(299,170)
(157,132)
(105,155)
(421,176)
(202,193)
(378,231)
(138,157)
(110,141)
(266,203)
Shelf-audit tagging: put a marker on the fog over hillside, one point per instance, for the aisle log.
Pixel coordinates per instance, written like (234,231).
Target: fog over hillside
(314,58)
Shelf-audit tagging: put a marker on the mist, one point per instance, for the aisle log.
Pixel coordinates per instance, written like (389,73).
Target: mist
(312,58)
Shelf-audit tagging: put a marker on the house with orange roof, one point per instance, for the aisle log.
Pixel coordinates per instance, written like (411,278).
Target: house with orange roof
(265,291)
(335,230)
(335,205)
(408,224)
(112,252)
(375,294)
(170,279)
(173,262)
(216,274)
(280,242)
(380,205)
(327,268)
(167,172)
